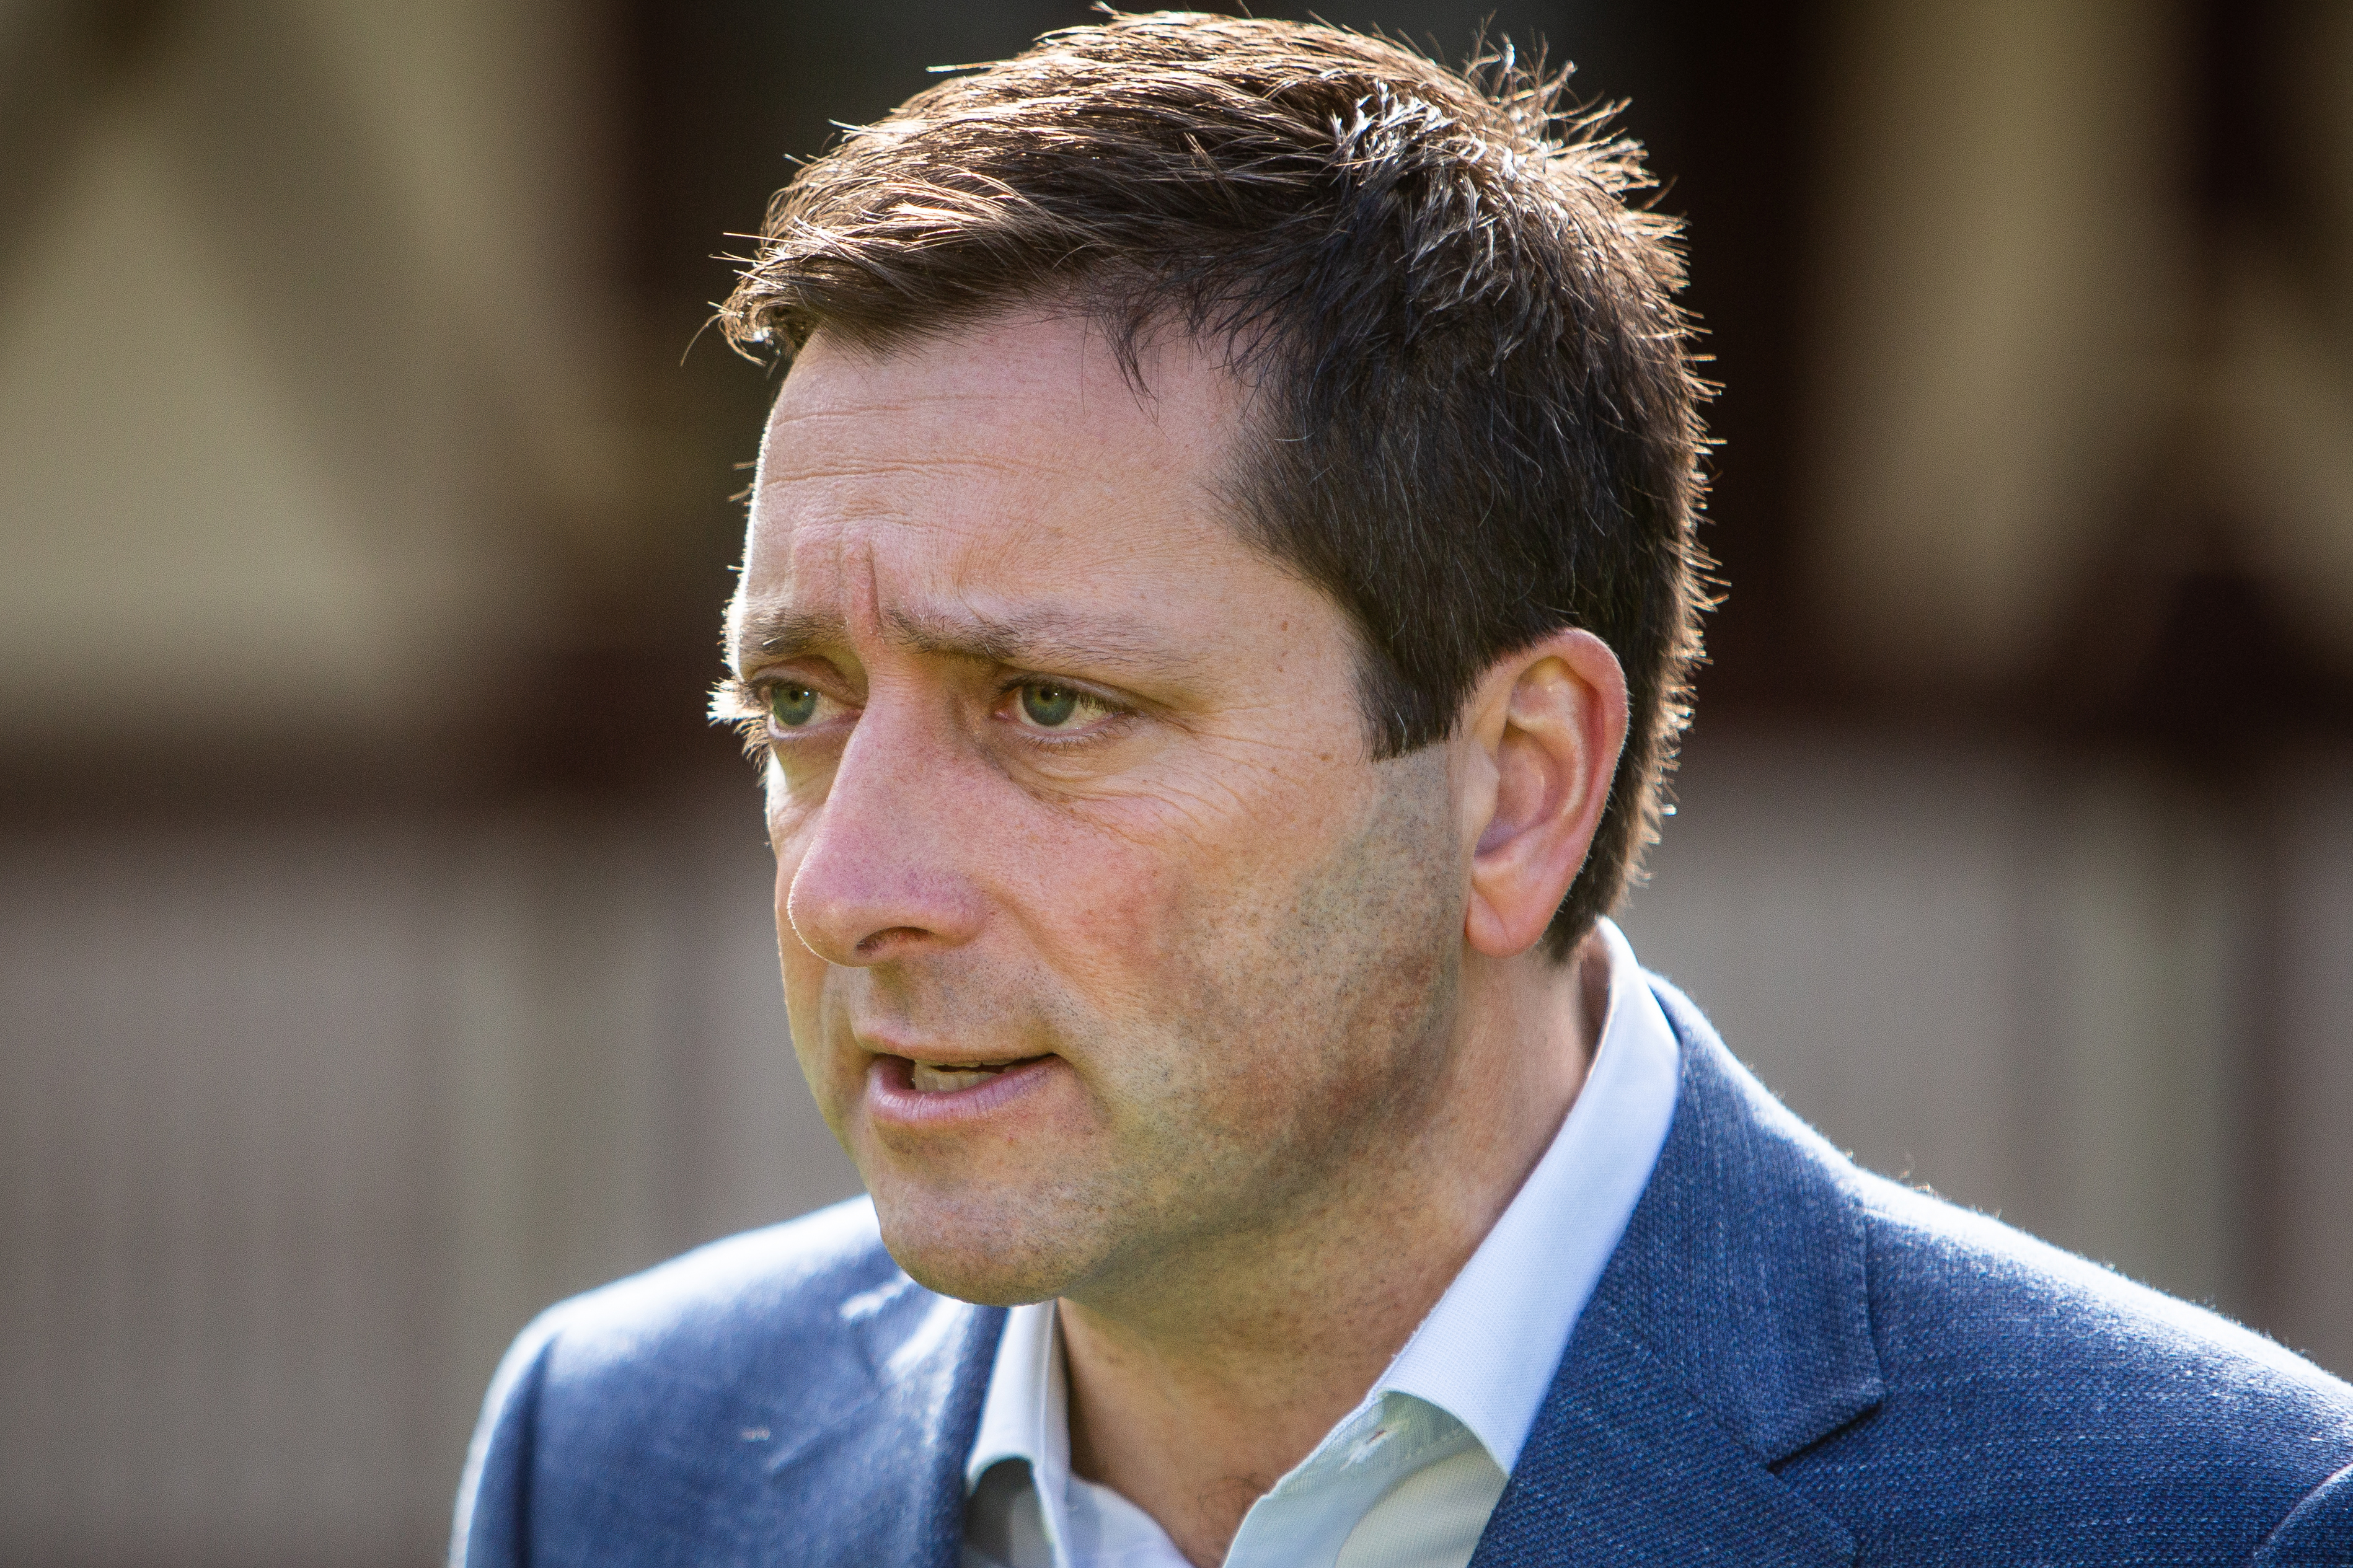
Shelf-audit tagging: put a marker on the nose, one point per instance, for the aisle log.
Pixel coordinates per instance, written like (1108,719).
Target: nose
(884,873)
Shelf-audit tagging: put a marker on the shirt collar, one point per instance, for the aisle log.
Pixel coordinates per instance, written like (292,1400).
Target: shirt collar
(1486,1352)
(1026,1414)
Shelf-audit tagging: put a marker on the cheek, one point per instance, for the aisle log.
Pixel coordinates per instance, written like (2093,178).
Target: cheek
(835,1079)
(1325,945)
(1214,929)
(785,810)
(803,971)
(1127,885)
(789,820)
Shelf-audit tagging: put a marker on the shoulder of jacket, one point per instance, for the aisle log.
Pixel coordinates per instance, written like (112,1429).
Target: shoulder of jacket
(648,1421)
(1983,1322)
(1954,1270)
(777,1305)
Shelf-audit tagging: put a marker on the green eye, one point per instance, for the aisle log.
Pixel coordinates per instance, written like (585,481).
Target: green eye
(791,704)
(1049,707)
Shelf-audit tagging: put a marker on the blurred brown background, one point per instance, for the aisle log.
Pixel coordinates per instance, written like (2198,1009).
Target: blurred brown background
(386,948)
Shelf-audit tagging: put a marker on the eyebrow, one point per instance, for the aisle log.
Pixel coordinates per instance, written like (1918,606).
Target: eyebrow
(1044,637)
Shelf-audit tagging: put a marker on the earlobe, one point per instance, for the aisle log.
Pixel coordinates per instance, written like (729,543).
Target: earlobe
(1550,721)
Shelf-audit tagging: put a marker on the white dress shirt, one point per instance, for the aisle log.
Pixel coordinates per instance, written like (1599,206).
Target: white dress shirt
(1408,1478)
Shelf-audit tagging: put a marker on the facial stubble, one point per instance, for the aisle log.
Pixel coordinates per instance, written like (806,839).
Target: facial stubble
(1252,1098)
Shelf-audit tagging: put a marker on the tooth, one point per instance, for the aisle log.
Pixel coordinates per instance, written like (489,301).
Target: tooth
(930,1079)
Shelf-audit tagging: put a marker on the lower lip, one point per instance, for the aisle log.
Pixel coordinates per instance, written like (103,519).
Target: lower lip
(892,1099)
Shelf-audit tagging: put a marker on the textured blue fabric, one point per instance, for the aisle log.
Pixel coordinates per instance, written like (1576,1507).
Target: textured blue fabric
(1787,1362)
(787,1397)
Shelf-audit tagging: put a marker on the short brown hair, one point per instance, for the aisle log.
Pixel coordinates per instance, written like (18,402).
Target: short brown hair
(1484,425)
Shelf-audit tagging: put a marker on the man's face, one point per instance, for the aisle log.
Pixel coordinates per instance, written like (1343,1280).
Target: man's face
(1102,938)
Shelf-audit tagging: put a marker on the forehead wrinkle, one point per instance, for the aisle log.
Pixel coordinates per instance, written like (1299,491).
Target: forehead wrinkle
(776,628)
(1041,636)
(901,465)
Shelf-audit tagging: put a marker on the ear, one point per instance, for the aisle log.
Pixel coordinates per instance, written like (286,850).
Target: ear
(1537,749)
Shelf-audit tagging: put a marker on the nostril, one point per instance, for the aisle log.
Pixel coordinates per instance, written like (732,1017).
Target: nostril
(867,946)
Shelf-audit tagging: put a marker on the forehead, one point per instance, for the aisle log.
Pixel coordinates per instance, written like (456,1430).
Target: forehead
(1012,460)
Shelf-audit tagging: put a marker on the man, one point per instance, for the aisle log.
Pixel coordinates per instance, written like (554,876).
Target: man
(1218,598)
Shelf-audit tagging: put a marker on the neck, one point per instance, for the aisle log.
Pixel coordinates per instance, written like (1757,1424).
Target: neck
(1193,1391)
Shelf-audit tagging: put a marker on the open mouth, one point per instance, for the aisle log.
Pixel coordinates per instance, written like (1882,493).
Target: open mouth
(947,1078)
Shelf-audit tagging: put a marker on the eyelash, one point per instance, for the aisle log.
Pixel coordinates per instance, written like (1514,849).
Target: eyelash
(746,704)
(1113,709)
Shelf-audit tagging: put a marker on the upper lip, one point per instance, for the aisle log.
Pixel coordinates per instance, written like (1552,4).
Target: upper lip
(970,1061)
(941,1055)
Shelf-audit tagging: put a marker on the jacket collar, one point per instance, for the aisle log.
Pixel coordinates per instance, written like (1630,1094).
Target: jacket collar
(1731,1330)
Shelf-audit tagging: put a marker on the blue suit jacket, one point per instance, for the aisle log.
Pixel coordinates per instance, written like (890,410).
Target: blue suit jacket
(1787,1362)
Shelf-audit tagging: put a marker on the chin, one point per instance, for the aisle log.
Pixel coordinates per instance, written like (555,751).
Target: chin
(1001,1252)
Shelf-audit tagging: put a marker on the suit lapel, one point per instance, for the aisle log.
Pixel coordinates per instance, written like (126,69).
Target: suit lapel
(1730,1330)
(880,1479)
(1625,1468)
